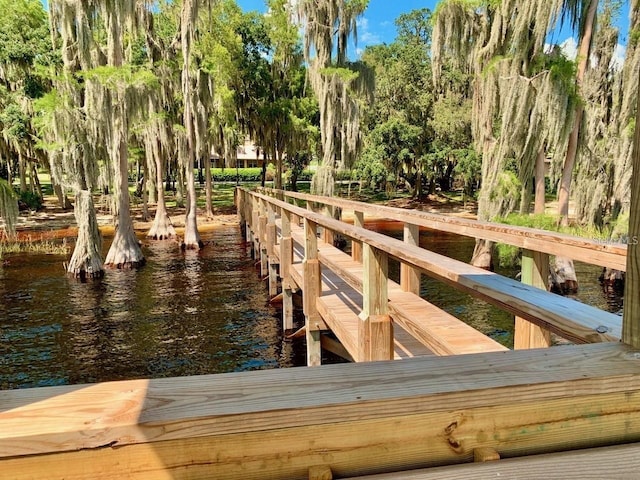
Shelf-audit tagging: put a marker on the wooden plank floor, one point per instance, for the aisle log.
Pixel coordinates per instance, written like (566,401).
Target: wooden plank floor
(417,323)
(620,462)
(340,305)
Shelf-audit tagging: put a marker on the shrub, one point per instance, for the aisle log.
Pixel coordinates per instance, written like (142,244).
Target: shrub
(29,200)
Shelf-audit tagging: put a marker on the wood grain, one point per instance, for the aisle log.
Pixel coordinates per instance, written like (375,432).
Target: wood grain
(356,418)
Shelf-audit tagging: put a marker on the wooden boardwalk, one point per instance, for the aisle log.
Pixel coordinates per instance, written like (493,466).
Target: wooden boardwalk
(343,292)
(458,405)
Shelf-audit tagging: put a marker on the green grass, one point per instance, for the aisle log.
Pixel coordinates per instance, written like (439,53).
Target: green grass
(33,246)
(509,255)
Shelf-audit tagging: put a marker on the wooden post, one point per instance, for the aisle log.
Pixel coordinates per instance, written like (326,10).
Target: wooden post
(535,272)
(286,259)
(262,239)
(631,317)
(375,331)
(485,454)
(311,292)
(271,246)
(255,225)
(328,235)
(410,276)
(356,247)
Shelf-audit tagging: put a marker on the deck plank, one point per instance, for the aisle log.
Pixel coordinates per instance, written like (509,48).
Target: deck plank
(621,462)
(417,321)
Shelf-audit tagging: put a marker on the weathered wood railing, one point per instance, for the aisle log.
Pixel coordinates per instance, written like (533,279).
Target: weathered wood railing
(547,312)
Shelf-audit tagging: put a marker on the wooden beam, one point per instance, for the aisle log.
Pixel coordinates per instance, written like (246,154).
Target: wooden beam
(409,275)
(484,454)
(535,272)
(631,324)
(356,418)
(312,289)
(375,335)
(356,247)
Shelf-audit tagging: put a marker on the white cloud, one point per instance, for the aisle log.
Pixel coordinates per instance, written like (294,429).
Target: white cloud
(366,36)
(570,48)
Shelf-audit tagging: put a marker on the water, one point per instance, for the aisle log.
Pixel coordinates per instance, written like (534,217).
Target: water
(187,313)
(184,313)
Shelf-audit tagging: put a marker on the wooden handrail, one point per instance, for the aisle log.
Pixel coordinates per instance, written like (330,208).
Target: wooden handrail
(359,418)
(568,318)
(588,251)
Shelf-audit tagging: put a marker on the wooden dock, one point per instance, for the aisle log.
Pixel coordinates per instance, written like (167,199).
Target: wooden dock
(457,406)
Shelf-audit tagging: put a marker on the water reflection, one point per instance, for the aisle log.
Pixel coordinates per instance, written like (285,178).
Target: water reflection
(184,313)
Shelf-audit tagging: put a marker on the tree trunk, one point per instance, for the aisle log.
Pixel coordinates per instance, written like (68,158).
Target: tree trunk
(162,228)
(209,186)
(631,318)
(191,234)
(539,206)
(278,179)
(564,268)
(145,192)
(125,251)
(63,201)
(22,167)
(483,254)
(572,148)
(563,277)
(86,261)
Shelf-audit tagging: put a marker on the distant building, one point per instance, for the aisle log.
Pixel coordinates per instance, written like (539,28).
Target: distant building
(249,155)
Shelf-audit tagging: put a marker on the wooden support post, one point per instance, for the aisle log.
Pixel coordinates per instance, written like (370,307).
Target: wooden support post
(356,247)
(410,276)
(286,260)
(311,292)
(375,331)
(631,317)
(255,227)
(320,472)
(535,272)
(328,235)
(271,246)
(262,239)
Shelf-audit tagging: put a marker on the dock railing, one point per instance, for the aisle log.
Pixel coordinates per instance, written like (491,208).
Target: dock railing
(537,311)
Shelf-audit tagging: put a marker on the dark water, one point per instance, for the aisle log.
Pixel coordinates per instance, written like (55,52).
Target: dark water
(182,314)
(186,313)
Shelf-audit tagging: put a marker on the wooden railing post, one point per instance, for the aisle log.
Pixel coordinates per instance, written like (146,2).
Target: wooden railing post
(271,246)
(255,226)
(311,292)
(262,236)
(410,276)
(535,272)
(286,260)
(356,246)
(328,235)
(375,331)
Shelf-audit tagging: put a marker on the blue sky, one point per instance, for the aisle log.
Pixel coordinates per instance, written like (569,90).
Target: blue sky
(377,24)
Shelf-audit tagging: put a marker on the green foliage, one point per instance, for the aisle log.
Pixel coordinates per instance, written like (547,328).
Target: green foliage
(31,200)
(509,255)
(231,175)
